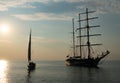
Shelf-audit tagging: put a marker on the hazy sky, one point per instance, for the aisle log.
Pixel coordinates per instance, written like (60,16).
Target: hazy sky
(50,21)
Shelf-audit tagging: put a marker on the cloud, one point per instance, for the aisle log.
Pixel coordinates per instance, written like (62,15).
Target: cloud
(68,0)
(45,40)
(28,6)
(101,6)
(6,4)
(42,16)
(41,1)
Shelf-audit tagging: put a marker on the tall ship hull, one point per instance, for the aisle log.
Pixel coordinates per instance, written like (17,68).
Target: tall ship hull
(82,62)
(86,59)
(86,62)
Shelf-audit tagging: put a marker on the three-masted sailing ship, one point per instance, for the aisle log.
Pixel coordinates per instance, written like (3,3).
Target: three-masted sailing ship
(31,65)
(85,59)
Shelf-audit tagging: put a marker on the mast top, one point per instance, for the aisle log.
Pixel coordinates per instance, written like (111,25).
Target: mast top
(87,11)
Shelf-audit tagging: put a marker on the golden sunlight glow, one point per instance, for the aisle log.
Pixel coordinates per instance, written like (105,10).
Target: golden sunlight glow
(3,71)
(4,28)
(3,63)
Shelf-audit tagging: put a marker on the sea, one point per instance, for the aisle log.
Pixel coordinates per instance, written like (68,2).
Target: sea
(58,72)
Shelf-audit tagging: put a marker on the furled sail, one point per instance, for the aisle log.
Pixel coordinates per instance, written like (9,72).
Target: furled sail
(29,48)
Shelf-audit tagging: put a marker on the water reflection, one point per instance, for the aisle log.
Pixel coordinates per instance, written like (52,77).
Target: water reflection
(29,72)
(28,76)
(3,71)
(86,75)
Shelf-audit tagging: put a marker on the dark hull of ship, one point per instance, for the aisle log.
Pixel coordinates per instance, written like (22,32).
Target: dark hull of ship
(31,66)
(89,62)
(83,62)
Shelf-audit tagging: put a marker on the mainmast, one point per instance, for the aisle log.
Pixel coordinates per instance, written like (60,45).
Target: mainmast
(80,37)
(87,27)
(73,38)
(88,36)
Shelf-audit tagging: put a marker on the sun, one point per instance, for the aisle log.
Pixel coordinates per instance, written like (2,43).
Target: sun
(4,28)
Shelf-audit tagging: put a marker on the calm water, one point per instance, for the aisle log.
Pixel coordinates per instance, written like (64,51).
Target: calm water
(57,72)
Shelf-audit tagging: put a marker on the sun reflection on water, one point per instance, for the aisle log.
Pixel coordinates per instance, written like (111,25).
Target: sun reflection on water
(3,71)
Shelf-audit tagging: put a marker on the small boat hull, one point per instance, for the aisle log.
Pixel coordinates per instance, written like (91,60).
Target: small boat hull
(31,66)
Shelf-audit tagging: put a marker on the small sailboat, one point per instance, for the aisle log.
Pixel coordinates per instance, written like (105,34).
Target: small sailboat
(31,65)
(87,58)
